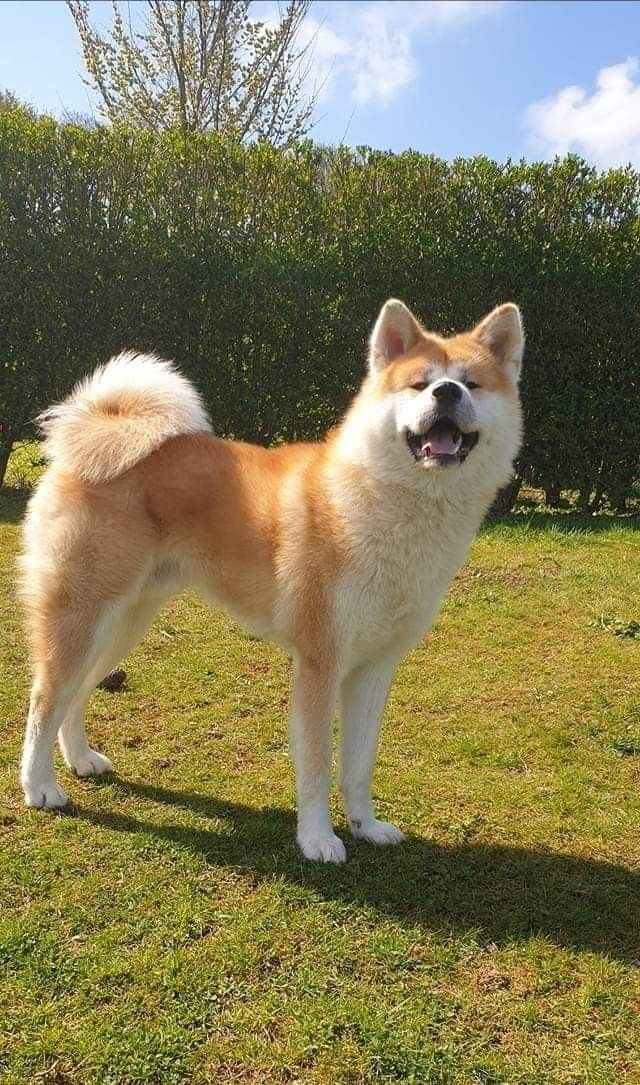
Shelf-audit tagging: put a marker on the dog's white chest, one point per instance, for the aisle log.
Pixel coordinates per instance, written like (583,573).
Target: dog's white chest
(389,599)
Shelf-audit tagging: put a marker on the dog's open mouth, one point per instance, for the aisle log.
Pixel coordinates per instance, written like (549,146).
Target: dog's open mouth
(443,444)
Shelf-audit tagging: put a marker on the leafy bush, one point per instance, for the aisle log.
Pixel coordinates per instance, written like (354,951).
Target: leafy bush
(260,271)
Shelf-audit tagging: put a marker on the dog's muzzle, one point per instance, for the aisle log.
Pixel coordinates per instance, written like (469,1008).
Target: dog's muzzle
(444,444)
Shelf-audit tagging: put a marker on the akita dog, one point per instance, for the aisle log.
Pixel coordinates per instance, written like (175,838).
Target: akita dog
(340,551)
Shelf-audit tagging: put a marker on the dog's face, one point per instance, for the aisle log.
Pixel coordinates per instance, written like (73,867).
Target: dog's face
(440,404)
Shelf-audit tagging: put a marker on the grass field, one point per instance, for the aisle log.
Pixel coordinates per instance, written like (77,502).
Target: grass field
(166,930)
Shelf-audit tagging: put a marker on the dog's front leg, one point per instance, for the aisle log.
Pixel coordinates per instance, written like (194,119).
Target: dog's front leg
(363,695)
(312,711)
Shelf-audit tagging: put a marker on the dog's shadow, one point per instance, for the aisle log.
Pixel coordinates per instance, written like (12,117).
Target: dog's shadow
(503,894)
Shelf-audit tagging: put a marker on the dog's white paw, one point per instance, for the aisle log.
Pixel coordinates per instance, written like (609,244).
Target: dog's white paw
(377,832)
(328,847)
(46,795)
(91,763)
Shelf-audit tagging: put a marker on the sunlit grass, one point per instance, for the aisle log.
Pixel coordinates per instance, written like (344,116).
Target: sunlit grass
(166,930)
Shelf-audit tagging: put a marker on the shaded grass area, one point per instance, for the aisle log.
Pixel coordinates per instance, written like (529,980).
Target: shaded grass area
(165,928)
(508,892)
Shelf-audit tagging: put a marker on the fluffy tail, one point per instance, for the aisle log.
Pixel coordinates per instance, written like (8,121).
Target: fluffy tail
(120,414)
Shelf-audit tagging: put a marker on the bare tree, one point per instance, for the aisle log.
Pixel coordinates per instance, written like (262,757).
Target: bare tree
(201,65)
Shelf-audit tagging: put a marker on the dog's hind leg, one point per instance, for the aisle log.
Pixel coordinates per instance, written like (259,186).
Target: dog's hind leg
(72,644)
(63,678)
(46,711)
(75,749)
(126,631)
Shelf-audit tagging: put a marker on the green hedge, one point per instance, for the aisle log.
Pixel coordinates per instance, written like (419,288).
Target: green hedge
(260,271)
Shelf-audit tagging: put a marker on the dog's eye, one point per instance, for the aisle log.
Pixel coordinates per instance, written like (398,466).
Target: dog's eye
(471,385)
(420,386)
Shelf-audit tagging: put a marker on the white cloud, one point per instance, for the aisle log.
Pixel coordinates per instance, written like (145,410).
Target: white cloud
(603,126)
(369,47)
(328,51)
(380,61)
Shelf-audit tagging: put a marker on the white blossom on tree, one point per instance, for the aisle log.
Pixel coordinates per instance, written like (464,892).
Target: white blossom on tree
(201,65)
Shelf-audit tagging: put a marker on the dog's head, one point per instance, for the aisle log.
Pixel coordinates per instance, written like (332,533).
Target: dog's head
(442,405)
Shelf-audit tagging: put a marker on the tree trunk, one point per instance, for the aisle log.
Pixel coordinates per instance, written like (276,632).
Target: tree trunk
(552,496)
(506,498)
(6,444)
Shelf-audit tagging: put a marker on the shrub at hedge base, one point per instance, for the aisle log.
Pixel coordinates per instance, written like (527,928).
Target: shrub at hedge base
(260,271)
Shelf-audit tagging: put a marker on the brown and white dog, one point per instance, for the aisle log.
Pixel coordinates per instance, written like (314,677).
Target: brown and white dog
(339,551)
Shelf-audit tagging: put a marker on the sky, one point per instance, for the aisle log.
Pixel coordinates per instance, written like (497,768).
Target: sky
(503,78)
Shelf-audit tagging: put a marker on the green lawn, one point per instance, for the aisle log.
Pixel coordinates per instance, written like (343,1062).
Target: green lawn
(166,930)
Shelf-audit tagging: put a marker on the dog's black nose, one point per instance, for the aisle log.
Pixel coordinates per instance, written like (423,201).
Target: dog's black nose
(447,391)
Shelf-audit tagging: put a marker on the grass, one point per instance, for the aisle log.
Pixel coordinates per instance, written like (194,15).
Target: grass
(165,930)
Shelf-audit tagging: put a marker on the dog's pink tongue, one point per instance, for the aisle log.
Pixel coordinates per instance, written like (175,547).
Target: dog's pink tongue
(442,444)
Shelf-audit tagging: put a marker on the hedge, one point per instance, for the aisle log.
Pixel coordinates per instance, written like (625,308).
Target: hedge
(261,271)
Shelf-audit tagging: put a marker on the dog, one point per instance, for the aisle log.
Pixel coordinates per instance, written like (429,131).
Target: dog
(340,551)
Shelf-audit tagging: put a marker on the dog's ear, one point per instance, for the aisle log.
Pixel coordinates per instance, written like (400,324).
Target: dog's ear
(502,332)
(395,332)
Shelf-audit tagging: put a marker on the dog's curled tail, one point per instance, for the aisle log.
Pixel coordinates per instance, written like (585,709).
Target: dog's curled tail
(119,415)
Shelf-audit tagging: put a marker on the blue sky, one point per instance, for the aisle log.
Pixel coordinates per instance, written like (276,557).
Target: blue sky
(452,77)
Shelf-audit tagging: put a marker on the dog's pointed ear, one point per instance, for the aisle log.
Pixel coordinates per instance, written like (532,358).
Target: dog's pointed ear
(503,334)
(395,332)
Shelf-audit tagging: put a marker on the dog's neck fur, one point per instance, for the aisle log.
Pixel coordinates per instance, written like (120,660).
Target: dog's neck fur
(358,457)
